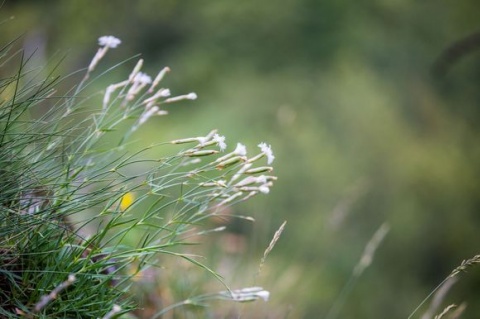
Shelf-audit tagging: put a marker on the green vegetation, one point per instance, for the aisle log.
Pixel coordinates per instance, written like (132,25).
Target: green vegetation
(83,218)
(371,108)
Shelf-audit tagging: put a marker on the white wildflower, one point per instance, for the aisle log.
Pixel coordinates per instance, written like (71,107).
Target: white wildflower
(261,169)
(110,89)
(189,96)
(196,153)
(246,181)
(142,78)
(267,151)
(135,70)
(246,294)
(160,93)
(228,161)
(164,92)
(231,198)
(204,139)
(264,189)
(113,313)
(106,97)
(240,150)
(264,294)
(220,140)
(240,172)
(105,42)
(232,157)
(46,299)
(185,140)
(149,113)
(221,183)
(109,41)
(158,78)
(192,96)
(191,162)
(262,179)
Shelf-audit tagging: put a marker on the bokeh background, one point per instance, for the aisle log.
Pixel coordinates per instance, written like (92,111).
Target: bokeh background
(372,109)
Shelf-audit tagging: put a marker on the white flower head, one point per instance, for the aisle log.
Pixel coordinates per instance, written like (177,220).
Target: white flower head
(267,150)
(109,41)
(160,93)
(204,139)
(142,78)
(192,96)
(262,179)
(189,96)
(220,140)
(263,294)
(264,189)
(135,70)
(240,150)
(247,294)
(159,78)
(165,93)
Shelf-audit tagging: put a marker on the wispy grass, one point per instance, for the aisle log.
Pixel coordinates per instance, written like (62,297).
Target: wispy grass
(364,262)
(78,219)
(440,291)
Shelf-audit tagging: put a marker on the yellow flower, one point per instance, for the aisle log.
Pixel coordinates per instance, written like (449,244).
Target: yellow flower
(126,201)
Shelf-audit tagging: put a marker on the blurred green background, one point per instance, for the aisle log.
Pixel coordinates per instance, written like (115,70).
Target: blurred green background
(371,116)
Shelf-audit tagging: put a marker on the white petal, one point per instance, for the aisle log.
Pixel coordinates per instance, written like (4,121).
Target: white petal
(109,41)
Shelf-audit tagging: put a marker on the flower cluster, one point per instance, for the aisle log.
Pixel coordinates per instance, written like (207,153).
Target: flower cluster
(98,181)
(106,42)
(211,138)
(138,90)
(240,184)
(132,88)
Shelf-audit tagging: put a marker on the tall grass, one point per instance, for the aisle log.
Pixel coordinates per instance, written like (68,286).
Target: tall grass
(82,217)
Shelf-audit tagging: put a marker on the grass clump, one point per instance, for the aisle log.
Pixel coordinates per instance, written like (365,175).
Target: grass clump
(81,215)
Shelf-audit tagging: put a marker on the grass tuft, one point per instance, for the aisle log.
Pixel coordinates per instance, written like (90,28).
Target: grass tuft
(81,216)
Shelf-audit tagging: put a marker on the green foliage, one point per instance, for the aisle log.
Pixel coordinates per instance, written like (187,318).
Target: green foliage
(39,248)
(365,128)
(78,220)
